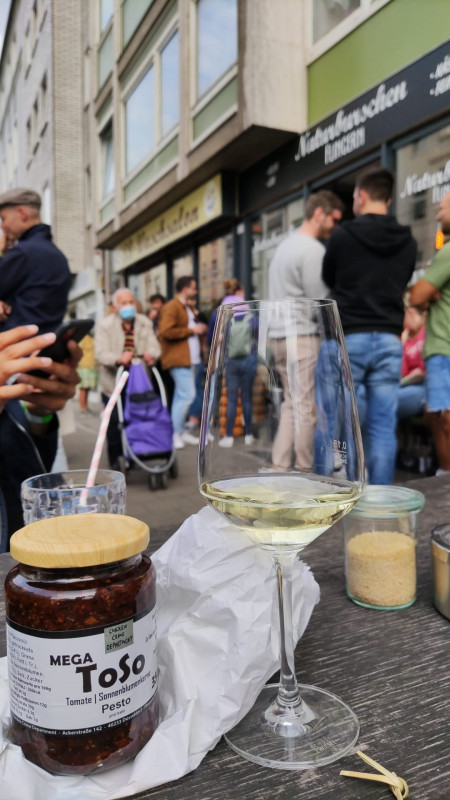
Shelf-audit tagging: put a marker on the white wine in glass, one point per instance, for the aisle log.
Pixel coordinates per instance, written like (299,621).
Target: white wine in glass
(281,457)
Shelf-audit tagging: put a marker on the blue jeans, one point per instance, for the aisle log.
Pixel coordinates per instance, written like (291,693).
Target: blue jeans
(376,360)
(411,400)
(334,444)
(197,404)
(184,380)
(240,373)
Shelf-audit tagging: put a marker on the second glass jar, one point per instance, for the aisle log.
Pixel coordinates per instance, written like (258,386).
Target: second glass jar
(380,547)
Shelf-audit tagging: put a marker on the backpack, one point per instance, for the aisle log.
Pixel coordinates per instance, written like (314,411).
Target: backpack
(240,338)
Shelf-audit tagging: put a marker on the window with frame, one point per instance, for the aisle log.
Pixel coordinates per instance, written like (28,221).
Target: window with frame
(107,178)
(27,49)
(43,104)
(105,55)
(28,139)
(327,14)
(140,121)
(46,207)
(34,25)
(169,85)
(106,13)
(216,41)
(151,109)
(35,121)
(132,13)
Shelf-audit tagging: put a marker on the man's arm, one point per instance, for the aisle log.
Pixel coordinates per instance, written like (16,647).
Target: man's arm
(169,327)
(423,294)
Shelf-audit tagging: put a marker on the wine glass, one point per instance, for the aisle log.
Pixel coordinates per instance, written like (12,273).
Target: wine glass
(281,457)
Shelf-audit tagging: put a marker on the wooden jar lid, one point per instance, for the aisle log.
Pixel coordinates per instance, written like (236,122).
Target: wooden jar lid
(79,540)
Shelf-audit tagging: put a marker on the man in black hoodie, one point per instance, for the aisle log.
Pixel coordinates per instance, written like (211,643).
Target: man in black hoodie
(368,264)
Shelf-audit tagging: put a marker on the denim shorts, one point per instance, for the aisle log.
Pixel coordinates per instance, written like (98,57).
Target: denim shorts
(437,379)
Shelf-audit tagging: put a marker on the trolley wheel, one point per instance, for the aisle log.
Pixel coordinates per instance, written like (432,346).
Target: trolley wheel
(123,465)
(173,470)
(153,481)
(163,480)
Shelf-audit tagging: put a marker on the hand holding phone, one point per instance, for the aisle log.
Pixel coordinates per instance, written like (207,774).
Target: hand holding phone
(75,329)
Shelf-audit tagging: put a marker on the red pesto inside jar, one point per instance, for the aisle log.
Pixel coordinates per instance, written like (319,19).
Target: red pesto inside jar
(79,599)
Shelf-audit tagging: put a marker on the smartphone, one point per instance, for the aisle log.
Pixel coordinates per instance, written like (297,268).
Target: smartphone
(75,329)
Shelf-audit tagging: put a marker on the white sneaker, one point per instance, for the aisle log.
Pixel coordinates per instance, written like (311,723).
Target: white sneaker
(226,441)
(188,438)
(249,439)
(178,442)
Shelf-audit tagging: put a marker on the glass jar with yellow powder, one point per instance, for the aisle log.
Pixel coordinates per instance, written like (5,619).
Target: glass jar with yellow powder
(380,547)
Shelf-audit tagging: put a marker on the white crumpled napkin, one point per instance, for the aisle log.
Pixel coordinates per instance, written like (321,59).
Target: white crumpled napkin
(217,646)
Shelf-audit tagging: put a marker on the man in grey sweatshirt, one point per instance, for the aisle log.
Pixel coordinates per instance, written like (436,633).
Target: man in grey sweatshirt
(295,273)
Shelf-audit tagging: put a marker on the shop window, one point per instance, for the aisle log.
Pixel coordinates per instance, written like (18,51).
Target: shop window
(422,179)
(215,265)
(268,231)
(216,41)
(107,162)
(140,121)
(327,14)
(132,13)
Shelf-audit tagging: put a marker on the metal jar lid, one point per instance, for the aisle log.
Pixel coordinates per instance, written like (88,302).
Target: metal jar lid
(440,542)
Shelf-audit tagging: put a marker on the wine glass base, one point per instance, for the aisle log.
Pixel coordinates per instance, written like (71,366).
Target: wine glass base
(321,731)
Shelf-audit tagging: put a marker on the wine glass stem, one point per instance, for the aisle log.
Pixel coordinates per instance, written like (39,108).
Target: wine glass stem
(288,694)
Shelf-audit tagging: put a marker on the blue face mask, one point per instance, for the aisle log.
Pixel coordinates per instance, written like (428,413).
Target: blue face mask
(127,312)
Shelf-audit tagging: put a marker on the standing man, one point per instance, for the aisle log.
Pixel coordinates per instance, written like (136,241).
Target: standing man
(367,265)
(433,291)
(179,335)
(156,303)
(34,275)
(295,273)
(120,337)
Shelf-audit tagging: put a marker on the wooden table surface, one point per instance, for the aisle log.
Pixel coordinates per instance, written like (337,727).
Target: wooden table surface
(392,668)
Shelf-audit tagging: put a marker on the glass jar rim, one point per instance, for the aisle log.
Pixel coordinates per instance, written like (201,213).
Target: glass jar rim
(388,501)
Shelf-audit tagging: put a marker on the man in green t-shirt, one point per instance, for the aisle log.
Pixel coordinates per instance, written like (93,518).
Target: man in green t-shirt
(433,292)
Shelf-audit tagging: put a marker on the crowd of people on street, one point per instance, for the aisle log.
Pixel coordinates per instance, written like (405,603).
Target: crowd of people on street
(397,337)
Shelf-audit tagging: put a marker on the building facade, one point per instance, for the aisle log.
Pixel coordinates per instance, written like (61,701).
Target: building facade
(173,137)
(215,119)
(42,132)
(378,86)
(187,95)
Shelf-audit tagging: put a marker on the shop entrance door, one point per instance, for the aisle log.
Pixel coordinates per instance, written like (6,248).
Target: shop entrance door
(344,184)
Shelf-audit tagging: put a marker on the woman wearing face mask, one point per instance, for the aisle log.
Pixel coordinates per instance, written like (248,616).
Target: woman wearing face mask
(120,337)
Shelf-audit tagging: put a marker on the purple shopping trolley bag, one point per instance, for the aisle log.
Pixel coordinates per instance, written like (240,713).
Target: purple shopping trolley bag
(148,426)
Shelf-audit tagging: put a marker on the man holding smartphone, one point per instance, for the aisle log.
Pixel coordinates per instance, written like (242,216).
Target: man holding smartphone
(34,274)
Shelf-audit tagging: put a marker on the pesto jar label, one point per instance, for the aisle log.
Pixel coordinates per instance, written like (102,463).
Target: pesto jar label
(74,682)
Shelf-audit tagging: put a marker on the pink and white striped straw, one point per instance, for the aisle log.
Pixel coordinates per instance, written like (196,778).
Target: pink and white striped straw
(101,436)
